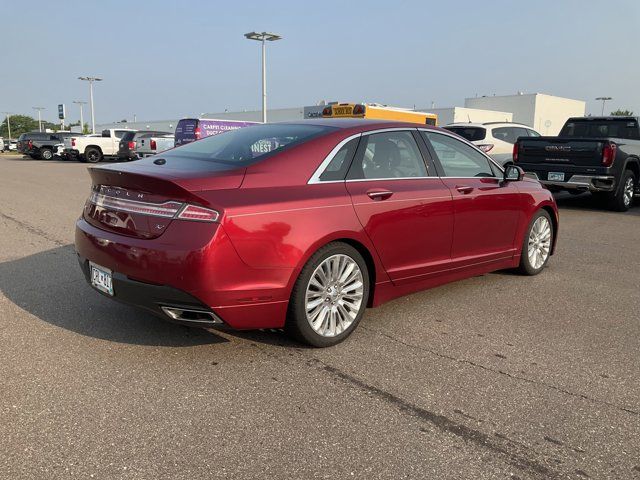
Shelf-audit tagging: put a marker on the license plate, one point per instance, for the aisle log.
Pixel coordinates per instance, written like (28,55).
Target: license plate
(101,278)
(556,176)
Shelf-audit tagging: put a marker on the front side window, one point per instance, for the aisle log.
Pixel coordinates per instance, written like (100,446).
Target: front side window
(388,155)
(457,158)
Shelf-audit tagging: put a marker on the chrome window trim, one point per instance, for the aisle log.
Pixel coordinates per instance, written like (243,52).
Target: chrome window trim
(315,178)
(386,178)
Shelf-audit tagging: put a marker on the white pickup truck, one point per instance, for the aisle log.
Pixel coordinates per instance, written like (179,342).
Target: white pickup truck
(91,148)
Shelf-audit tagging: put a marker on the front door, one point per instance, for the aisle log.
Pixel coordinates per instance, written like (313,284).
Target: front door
(404,208)
(487,210)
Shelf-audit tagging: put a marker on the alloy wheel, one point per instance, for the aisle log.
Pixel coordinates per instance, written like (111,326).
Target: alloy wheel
(334,295)
(539,242)
(628,191)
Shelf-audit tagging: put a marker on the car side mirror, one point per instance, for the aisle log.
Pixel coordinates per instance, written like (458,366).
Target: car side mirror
(513,173)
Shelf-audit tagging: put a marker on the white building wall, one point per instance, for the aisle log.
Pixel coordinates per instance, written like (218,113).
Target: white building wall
(461,114)
(545,113)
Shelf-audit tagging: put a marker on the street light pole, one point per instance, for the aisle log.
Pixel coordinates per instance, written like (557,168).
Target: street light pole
(39,109)
(263,37)
(8,114)
(78,102)
(604,99)
(91,80)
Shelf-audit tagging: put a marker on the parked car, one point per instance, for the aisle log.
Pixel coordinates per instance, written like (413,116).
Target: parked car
(190,129)
(494,138)
(129,143)
(596,154)
(10,145)
(154,143)
(335,216)
(43,146)
(93,149)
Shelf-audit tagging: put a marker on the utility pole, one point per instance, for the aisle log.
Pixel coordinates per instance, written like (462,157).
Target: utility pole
(91,80)
(604,100)
(80,103)
(39,109)
(8,114)
(263,37)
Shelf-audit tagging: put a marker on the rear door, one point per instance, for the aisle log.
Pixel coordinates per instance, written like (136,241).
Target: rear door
(403,206)
(487,210)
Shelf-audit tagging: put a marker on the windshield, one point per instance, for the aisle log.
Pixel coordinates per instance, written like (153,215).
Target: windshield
(623,128)
(472,134)
(245,146)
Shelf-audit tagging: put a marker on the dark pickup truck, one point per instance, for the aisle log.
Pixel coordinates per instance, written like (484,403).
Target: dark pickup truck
(41,145)
(600,155)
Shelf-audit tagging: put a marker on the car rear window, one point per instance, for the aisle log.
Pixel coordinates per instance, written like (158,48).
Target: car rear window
(127,137)
(245,146)
(473,134)
(623,128)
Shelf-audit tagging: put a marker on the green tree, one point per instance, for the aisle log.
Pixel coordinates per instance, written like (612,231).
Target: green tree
(622,113)
(19,124)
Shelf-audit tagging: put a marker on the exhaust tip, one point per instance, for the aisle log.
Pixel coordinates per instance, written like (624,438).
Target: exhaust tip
(191,315)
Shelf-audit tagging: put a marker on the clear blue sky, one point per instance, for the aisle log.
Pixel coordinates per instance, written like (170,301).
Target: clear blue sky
(166,59)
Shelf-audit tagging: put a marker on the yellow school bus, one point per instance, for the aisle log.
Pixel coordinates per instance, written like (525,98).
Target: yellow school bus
(378,112)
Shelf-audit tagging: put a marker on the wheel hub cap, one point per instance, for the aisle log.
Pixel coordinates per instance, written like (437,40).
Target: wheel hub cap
(334,295)
(539,244)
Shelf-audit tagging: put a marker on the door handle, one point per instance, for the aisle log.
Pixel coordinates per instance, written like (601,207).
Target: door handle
(464,189)
(379,194)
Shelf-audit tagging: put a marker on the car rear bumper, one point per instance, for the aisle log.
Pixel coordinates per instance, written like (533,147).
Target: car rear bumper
(587,183)
(192,265)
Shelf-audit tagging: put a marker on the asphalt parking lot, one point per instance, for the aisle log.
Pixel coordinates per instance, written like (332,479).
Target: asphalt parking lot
(498,376)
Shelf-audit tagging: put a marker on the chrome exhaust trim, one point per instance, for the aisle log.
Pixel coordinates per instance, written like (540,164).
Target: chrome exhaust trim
(191,315)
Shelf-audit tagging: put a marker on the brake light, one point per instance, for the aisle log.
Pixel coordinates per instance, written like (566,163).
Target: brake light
(609,154)
(131,145)
(199,214)
(30,144)
(516,151)
(358,110)
(485,147)
(152,144)
(326,112)
(197,133)
(73,142)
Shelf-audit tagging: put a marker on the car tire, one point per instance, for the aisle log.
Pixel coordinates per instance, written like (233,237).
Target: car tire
(339,306)
(46,154)
(92,155)
(537,244)
(622,199)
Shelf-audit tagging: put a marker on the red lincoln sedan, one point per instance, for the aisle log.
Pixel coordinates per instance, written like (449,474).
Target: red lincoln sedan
(303,225)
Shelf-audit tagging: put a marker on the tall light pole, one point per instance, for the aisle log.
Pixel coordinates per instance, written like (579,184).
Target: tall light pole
(39,109)
(91,80)
(263,37)
(80,103)
(8,114)
(604,99)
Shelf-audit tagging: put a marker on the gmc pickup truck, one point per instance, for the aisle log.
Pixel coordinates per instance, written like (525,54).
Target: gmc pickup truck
(94,148)
(600,155)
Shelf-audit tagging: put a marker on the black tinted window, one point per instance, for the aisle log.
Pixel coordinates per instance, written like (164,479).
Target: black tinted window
(509,134)
(622,128)
(338,166)
(128,136)
(388,155)
(245,146)
(457,158)
(473,134)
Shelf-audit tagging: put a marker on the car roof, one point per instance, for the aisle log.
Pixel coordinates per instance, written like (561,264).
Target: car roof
(487,124)
(361,124)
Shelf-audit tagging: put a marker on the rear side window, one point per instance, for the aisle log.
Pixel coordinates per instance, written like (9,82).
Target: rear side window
(339,164)
(532,133)
(388,155)
(473,134)
(509,134)
(458,159)
(245,146)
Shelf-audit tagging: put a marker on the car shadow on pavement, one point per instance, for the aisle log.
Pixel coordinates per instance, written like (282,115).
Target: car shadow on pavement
(50,286)
(586,201)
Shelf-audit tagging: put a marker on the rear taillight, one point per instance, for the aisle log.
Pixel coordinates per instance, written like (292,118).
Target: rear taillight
(169,209)
(516,151)
(358,110)
(326,112)
(197,133)
(30,144)
(485,147)
(73,142)
(131,145)
(152,145)
(200,214)
(609,154)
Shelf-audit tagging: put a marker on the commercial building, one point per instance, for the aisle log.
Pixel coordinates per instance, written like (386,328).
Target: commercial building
(545,113)
(462,114)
